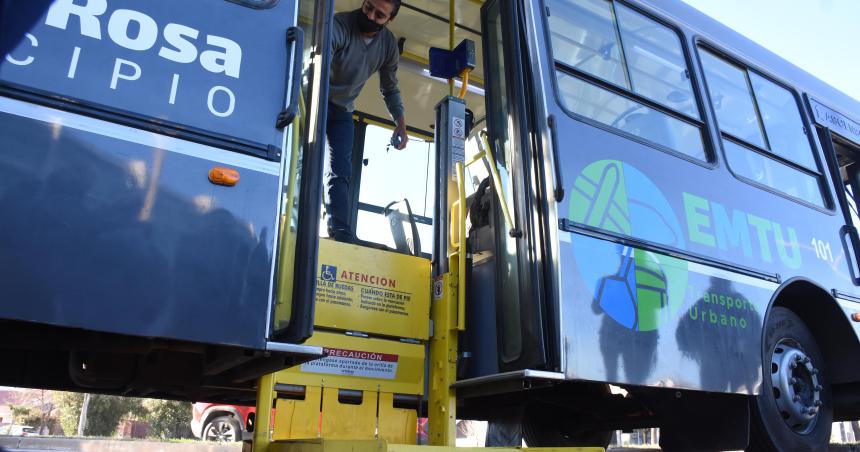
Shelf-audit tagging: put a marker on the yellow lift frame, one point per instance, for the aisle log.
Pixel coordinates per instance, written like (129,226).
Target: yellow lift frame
(320,422)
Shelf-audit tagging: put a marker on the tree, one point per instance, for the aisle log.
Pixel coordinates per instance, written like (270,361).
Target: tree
(24,415)
(69,407)
(103,414)
(34,408)
(168,419)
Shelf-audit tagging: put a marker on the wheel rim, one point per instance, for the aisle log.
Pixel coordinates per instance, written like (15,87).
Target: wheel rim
(796,386)
(221,432)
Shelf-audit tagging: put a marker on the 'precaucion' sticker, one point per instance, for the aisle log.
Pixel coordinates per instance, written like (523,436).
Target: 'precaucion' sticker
(354,363)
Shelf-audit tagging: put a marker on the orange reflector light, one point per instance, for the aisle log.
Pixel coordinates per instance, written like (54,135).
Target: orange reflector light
(223,176)
(855,317)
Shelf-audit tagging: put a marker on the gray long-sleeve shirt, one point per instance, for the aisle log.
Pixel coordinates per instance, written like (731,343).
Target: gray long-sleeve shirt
(354,61)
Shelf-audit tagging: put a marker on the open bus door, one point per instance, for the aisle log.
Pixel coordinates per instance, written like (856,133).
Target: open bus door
(839,136)
(153,158)
(526,339)
(840,139)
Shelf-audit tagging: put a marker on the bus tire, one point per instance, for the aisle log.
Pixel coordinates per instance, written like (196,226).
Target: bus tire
(794,410)
(541,428)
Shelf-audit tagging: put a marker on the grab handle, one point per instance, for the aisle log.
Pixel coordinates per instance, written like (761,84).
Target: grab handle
(558,189)
(296,38)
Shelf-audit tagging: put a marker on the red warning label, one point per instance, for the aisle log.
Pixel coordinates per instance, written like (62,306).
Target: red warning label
(354,363)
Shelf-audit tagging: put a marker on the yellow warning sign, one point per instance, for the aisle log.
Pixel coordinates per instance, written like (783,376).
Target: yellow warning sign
(372,291)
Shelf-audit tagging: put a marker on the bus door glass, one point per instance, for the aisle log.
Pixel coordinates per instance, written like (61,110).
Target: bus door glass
(839,136)
(846,176)
(303,169)
(522,321)
(143,163)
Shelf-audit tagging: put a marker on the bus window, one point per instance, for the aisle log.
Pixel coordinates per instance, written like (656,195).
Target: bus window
(656,62)
(632,117)
(392,175)
(649,93)
(763,135)
(750,164)
(782,123)
(586,39)
(732,101)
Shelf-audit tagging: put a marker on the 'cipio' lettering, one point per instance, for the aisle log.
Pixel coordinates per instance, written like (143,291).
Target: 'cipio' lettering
(134,30)
(226,58)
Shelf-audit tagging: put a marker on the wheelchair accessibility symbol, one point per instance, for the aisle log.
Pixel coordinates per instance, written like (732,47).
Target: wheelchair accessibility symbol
(328,273)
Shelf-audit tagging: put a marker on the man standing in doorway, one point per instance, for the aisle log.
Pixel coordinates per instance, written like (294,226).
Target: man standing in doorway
(361,45)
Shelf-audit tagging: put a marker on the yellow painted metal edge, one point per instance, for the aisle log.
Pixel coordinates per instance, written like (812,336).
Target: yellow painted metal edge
(323,445)
(415,448)
(265,402)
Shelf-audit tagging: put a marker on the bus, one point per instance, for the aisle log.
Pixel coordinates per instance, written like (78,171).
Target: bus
(142,147)
(670,242)
(685,202)
(681,250)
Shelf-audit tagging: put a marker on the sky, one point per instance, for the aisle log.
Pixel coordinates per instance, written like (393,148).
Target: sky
(820,36)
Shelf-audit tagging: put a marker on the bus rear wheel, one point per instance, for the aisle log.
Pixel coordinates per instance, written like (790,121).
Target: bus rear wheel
(794,410)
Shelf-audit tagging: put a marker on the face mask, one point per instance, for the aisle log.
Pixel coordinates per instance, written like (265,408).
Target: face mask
(366,25)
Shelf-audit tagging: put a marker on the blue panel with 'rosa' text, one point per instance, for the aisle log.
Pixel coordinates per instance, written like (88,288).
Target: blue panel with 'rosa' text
(208,66)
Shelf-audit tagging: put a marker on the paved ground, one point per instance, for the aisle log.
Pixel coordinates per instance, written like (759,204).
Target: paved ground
(855,448)
(32,444)
(36,444)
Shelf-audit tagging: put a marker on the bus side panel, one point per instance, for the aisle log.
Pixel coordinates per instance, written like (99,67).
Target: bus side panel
(638,317)
(210,67)
(667,263)
(119,230)
(635,302)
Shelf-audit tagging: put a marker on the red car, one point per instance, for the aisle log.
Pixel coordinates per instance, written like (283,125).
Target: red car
(227,423)
(221,423)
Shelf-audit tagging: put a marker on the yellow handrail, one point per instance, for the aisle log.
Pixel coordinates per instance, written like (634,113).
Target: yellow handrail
(461,258)
(452,19)
(497,180)
(465,85)
(475,158)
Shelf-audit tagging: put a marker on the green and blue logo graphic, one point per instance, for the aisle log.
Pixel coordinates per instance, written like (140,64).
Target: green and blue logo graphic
(636,288)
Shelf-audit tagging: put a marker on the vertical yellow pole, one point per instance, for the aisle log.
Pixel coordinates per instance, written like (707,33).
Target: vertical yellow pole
(452,19)
(265,402)
(448,313)
(442,409)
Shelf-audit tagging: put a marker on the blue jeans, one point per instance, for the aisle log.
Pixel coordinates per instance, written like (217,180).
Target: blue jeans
(340,131)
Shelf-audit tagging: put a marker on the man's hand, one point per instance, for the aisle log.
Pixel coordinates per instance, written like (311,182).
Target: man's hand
(400,132)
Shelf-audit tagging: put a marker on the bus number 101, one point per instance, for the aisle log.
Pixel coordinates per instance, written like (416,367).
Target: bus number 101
(822,250)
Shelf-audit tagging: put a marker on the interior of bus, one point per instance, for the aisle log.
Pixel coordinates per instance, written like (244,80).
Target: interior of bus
(382,174)
(507,332)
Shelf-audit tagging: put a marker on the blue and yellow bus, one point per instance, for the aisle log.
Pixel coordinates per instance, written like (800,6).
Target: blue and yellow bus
(685,204)
(143,148)
(671,241)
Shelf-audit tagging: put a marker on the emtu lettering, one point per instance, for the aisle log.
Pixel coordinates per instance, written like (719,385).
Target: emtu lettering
(710,224)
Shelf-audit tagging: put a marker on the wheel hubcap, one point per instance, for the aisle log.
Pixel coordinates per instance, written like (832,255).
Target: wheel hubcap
(221,432)
(796,386)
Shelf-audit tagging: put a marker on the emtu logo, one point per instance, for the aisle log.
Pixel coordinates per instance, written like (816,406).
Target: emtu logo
(328,273)
(636,288)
